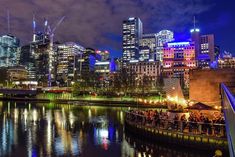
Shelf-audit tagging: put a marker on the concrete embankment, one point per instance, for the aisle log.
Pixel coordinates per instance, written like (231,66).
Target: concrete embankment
(81,102)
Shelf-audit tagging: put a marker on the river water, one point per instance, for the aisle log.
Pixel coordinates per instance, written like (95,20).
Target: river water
(33,130)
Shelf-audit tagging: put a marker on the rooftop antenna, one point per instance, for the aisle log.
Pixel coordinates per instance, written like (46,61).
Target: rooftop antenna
(194,22)
(34,24)
(34,28)
(45,25)
(8,22)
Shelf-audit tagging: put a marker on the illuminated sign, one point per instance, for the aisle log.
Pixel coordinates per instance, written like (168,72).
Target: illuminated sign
(102,63)
(134,61)
(178,44)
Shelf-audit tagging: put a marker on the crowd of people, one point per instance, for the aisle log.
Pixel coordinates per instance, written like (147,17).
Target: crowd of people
(194,122)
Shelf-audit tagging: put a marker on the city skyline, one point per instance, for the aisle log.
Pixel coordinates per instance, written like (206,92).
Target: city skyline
(101,26)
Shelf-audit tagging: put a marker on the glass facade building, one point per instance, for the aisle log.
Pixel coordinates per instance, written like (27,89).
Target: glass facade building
(148,47)
(9,50)
(69,56)
(132,33)
(163,37)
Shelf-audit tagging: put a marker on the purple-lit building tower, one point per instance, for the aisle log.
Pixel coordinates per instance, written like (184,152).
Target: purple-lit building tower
(204,48)
(178,59)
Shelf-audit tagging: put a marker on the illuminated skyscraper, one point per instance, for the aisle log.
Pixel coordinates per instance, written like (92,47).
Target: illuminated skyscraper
(27,60)
(148,47)
(39,49)
(9,50)
(207,50)
(195,36)
(163,37)
(204,47)
(132,33)
(69,62)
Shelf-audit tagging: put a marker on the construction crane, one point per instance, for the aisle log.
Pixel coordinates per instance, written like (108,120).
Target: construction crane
(8,23)
(51,33)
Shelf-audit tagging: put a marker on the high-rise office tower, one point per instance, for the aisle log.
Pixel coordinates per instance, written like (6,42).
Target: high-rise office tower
(39,50)
(147,47)
(27,60)
(163,37)
(204,47)
(9,50)
(208,46)
(69,56)
(132,33)
(195,36)
(88,64)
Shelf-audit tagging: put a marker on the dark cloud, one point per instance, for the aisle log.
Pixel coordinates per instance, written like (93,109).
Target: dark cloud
(95,22)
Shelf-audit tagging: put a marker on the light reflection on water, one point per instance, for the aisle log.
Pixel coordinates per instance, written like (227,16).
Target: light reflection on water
(63,130)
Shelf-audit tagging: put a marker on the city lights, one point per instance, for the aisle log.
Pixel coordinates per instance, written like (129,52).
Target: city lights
(117,78)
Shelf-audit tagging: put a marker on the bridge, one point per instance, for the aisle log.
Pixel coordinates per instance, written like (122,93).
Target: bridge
(228,104)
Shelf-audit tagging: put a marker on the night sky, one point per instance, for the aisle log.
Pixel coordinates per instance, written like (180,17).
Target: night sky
(98,23)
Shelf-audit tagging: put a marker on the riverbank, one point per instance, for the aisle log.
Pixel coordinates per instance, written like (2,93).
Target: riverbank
(82,102)
(188,140)
(201,135)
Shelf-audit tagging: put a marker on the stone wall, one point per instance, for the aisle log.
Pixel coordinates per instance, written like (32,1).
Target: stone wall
(204,85)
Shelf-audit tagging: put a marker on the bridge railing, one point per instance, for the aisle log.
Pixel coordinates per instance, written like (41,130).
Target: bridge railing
(228,103)
(197,128)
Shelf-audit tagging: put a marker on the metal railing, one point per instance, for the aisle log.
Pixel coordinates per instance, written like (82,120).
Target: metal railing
(228,103)
(195,128)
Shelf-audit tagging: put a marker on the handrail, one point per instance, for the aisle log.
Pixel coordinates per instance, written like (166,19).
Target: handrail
(207,129)
(176,120)
(229,96)
(228,103)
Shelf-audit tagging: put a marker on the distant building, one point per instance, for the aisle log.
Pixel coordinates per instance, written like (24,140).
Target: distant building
(27,60)
(163,37)
(178,59)
(17,73)
(40,50)
(104,55)
(207,50)
(147,49)
(150,70)
(196,38)
(151,45)
(226,61)
(69,56)
(146,53)
(104,70)
(89,58)
(204,48)
(132,33)
(217,52)
(9,50)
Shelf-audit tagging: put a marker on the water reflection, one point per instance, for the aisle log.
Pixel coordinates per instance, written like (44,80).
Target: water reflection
(64,130)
